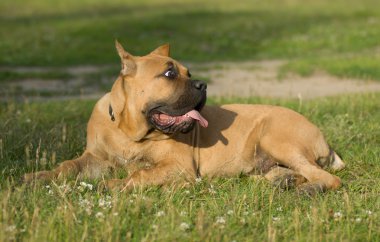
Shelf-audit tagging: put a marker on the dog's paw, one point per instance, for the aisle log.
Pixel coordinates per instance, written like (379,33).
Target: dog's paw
(40,176)
(285,182)
(114,185)
(288,181)
(310,189)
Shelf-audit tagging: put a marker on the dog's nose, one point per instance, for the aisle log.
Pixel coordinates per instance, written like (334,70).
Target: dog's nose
(200,85)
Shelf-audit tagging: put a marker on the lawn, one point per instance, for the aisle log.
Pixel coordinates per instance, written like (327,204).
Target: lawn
(340,37)
(38,135)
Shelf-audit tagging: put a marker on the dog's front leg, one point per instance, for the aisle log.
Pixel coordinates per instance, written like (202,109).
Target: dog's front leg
(87,165)
(164,172)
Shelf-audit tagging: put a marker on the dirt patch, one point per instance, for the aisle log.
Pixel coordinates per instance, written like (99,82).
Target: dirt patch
(239,79)
(261,79)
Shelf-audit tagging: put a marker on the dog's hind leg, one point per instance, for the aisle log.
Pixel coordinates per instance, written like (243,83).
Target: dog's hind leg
(318,180)
(87,165)
(302,153)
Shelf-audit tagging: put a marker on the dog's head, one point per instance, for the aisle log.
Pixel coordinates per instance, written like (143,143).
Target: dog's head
(156,93)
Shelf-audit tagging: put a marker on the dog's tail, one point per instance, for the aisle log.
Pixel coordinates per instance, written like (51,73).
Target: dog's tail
(332,161)
(336,163)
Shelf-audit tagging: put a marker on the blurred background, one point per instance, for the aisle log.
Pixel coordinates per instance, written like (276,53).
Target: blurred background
(51,48)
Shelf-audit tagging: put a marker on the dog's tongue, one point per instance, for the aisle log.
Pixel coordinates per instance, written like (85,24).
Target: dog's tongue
(194,114)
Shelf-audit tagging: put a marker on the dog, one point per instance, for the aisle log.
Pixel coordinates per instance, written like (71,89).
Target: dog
(155,114)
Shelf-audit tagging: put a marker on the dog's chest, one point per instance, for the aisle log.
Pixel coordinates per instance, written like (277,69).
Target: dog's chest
(134,163)
(129,157)
(122,161)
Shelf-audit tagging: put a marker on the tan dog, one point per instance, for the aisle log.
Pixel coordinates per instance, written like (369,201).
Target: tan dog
(153,115)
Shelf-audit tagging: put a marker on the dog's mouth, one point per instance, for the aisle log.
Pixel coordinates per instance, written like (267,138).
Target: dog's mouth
(164,119)
(171,121)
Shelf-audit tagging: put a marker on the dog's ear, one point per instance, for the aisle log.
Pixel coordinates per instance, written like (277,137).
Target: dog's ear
(163,50)
(117,97)
(126,117)
(128,65)
(129,120)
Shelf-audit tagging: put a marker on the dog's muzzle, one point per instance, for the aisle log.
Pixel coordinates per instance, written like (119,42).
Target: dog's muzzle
(181,115)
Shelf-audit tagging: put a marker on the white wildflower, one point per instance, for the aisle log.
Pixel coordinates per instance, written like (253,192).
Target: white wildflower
(279,209)
(99,215)
(184,226)
(88,210)
(369,212)
(105,202)
(337,215)
(211,189)
(10,228)
(83,186)
(87,205)
(50,192)
(65,188)
(115,214)
(275,219)
(358,220)
(220,220)
(187,192)
(230,212)
(160,213)
(198,179)
(84,203)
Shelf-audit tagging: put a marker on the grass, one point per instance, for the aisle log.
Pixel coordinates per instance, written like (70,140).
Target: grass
(9,76)
(38,135)
(358,67)
(312,33)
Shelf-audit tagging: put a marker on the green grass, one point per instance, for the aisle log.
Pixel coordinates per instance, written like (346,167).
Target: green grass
(69,33)
(359,67)
(223,209)
(9,76)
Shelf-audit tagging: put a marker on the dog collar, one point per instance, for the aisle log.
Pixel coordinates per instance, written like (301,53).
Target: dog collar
(110,111)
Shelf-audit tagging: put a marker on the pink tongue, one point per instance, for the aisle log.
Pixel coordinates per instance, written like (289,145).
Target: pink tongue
(194,114)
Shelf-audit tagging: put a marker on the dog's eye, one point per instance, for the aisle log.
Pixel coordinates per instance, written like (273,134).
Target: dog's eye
(170,74)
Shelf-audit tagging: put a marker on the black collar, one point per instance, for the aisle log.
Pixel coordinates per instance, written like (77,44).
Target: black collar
(110,111)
